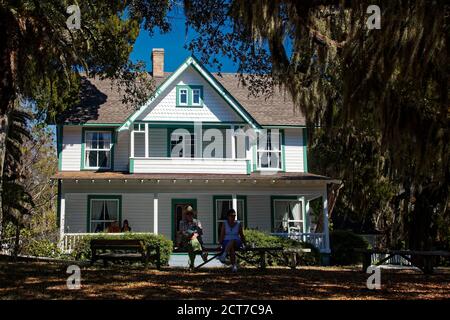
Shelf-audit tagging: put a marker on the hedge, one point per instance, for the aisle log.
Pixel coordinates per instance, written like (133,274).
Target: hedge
(82,250)
(342,245)
(260,239)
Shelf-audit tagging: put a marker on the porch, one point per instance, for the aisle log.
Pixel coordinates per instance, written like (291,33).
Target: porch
(276,204)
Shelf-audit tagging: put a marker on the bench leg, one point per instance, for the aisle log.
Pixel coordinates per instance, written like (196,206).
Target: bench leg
(262,260)
(367,261)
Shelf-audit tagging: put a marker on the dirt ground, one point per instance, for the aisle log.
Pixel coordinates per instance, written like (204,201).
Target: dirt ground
(33,280)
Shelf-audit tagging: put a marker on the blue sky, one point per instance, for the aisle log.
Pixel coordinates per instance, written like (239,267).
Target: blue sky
(173,43)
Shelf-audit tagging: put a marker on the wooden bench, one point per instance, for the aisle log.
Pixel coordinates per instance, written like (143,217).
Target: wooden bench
(120,249)
(426,261)
(290,255)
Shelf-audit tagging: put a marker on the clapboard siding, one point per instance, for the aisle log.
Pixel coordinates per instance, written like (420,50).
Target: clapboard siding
(75,212)
(294,150)
(157,142)
(122,151)
(137,208)
(139,144)
(190,165)
(71,148)
(258,213)
(215,109)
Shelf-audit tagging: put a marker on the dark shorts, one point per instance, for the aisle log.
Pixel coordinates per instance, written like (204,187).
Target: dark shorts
(225,243)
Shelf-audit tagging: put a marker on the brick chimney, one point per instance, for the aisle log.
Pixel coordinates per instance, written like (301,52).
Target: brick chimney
(158,62)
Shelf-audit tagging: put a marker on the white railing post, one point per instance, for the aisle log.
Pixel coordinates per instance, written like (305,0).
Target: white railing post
(146,140)
(155,213)
(325,221)
(62,219)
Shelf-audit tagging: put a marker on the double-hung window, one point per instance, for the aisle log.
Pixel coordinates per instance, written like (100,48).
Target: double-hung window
(183,96)
(196,97)
(189,96)
(98,146)
(104,210)
(269,149)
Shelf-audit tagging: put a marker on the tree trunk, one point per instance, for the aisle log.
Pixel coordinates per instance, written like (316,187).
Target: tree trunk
(8,72)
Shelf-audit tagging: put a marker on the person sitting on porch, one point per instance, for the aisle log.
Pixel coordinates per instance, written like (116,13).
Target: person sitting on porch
(191,236)
(113,227)
(125,227)
(231,238)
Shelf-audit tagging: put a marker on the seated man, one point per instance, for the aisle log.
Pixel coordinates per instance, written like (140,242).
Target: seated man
(190,236)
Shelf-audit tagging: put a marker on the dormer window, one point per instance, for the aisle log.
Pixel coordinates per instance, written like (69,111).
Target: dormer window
(196,96)
(183,96)
(189,96)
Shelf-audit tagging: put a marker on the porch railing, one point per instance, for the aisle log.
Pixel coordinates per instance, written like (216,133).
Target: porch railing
(69,241)
(316,239)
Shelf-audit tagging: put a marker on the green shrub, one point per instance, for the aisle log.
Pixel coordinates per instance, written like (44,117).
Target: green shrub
(260,239)
(40,248)
(342,244)
(82,250)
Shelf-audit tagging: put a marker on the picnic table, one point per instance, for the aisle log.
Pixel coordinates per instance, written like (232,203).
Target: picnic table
(424,260)
(290,255)
(121,249)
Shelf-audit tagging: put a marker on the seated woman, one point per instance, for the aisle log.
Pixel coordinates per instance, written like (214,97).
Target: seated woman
(231,238)
(125,227)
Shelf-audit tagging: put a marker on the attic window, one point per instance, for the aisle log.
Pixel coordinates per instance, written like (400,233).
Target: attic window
(183,96)
(189,96)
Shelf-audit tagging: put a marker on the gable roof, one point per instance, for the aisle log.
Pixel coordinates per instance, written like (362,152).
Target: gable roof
(102,103)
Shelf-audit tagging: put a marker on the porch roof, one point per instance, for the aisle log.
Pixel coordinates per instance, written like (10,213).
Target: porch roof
(263,177)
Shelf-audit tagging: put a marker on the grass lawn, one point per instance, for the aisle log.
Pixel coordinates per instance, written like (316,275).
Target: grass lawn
(33,280)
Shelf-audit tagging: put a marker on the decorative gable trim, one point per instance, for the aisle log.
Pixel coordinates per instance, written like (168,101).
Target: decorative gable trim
(192,61)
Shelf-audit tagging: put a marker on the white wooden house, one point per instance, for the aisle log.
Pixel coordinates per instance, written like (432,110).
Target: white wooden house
(120,162)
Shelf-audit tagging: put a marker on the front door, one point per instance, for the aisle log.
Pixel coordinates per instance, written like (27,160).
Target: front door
(177,213)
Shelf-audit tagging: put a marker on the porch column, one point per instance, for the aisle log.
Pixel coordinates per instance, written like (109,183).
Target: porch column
(62,220)
(233,143)
(234,202)
(132,143)
(325,221)
(146,140)
(155,213)
(306,217)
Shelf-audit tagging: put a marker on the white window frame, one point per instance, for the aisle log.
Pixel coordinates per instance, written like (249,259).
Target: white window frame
(180,90)
(87,149)
(261,151)
(199,103)
(192,136)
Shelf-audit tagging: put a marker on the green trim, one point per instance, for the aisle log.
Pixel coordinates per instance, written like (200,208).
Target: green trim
(83,138)
(59,144)
(176,201)
(272,207)
(249,167)
(131,165)
(224,92)
(215,84)
(226,197)
(190,96)
(305,151)
(58,204)
(101,197)
(283,151)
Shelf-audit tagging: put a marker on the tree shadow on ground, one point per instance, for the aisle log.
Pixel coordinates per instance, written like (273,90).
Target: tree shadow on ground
(22,280)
